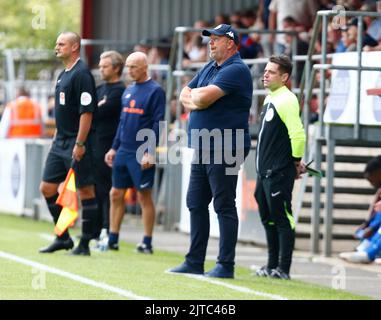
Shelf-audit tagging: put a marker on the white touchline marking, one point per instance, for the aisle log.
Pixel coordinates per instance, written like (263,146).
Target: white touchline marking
(230,286)
(72,276)
(309,276)
(47,236)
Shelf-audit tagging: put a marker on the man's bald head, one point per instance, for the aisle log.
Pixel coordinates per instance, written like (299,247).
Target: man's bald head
(138,57)
(137,66)
(72,37)
(67,47)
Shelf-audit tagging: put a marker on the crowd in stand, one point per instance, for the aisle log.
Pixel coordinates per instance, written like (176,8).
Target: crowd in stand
(289,16)
(295,18)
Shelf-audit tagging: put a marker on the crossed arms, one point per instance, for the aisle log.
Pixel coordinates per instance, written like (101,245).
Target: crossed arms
(200,98)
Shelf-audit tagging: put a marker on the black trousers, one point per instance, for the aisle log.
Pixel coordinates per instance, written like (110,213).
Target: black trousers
(273,194)
(102,185)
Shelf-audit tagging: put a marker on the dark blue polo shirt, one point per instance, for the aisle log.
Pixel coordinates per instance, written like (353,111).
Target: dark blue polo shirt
(229,112)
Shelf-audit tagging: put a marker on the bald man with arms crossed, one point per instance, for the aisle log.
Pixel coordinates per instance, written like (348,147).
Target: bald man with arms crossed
(143,107)
(75,105)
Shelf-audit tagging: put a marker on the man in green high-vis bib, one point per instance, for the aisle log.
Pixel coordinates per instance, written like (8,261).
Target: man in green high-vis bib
(280,148)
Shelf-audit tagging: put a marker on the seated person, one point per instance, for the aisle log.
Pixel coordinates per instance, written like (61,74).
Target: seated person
(369,232)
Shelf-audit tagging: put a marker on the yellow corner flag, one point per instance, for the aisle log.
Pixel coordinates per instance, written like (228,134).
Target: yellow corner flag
(68,200)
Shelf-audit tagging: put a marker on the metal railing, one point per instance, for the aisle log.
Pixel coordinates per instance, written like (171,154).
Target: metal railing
(321,135)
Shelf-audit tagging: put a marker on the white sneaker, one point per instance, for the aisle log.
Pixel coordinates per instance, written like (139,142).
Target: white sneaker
(103,234)
(102,241)
(355,257)
(102,244)
(365,244)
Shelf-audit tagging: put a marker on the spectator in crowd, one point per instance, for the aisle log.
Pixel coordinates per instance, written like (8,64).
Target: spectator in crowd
(334,37)
(303,11)
(314,109)
(50,121)
(72,146)
(132,160)
(21,118)
(370,231)
(195,47)
(248,18)
(290,24)
(263,12)
(262,23)
(235,18)
(220,99)
(280,148)
(372,39)
(220,18)
(143,45)
(353,5)
(109,95)
(349,38)
(159,54)
(250,47)
(326,4)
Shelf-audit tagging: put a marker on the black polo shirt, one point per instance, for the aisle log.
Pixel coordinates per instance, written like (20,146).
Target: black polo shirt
(75,94)
(110,96)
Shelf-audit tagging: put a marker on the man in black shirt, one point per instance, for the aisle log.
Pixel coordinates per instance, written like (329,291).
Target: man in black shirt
(75,104)
(109,94)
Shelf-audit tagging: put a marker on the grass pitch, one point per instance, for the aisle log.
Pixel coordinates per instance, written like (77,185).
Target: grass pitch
(125,272)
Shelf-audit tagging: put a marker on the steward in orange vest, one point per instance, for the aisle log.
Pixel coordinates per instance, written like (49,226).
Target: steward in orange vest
(25,119)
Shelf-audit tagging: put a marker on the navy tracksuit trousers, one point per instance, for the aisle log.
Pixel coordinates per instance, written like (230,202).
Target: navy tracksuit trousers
(207,182)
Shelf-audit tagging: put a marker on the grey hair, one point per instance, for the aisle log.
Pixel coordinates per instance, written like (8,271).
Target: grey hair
(117,60)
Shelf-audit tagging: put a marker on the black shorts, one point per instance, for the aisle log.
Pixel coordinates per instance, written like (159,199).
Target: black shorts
(59,161)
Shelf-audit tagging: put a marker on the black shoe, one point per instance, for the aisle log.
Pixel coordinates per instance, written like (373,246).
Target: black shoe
(81,250)
(278,273)
(58,244)
(142,248)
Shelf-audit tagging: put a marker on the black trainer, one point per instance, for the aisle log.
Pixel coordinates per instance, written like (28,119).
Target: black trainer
(113,246)
(142,248)
(278,273)
(81,250)
(263,272)
(58,244)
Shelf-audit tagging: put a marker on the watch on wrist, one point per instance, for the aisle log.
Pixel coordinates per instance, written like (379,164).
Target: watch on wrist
(79,143)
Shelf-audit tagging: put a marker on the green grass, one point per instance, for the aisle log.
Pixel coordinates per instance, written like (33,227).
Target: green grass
(144,275)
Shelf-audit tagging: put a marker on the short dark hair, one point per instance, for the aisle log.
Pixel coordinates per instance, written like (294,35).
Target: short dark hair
(290,20)
(373,165)
(23,92)
(284,63)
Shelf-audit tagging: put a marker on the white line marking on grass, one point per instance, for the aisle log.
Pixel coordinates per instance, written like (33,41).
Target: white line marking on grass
(47,236)
(357,278)
(72,276)
(230,286)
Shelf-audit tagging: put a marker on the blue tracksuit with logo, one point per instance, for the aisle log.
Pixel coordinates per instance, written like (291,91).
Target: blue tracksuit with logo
(143,107)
